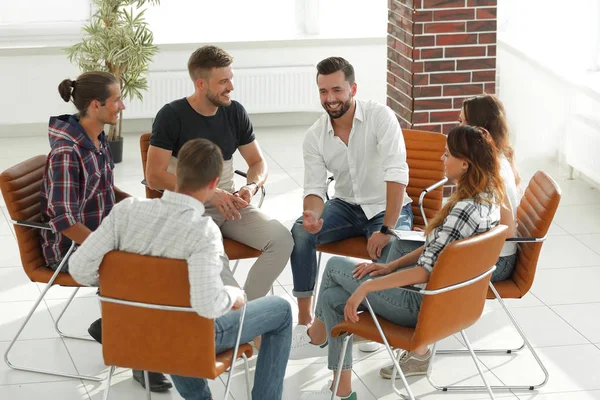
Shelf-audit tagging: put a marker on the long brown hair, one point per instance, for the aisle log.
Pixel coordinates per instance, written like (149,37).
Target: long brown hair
(488,112)
(481,181)
(89,86)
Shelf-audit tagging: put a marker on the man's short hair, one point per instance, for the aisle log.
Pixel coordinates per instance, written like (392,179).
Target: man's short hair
(203,60)
(332,65)
(199,162)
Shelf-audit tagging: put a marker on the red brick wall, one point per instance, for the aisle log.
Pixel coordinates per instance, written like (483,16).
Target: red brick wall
(439,53)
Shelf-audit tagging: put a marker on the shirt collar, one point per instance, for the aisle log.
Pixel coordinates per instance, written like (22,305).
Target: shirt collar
(358,115)
(183,200)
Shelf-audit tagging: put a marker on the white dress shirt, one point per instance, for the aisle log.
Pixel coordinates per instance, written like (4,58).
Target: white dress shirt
(375,154)
(171,227)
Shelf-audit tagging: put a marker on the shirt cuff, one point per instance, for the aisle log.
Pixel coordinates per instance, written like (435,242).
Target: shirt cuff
(234,293)
(315,192)
(62,222)
(398,175)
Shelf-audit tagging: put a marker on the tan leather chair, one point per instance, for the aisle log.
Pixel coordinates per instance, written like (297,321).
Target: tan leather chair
(426,177)
(234,250)
(534,216)
(453,300)
(148,325)
(20,187)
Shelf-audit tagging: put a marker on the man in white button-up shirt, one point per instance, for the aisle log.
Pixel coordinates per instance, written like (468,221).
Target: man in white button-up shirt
(361,144)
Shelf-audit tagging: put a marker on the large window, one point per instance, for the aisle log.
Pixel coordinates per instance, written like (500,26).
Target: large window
(201,21)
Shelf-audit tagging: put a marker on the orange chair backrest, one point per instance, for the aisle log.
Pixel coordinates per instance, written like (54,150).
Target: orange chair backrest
(444,314)
(21,185)
(172,342)
(144,146)
(534,216)
(425,167)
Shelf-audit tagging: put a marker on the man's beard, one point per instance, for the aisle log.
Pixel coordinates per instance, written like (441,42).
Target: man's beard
(334,114)
(214,98)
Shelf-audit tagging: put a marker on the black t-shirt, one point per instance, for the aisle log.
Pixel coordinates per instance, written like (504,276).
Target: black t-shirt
(177,122)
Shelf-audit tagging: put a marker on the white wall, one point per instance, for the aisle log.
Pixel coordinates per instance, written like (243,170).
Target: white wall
(547,51)
(30,78)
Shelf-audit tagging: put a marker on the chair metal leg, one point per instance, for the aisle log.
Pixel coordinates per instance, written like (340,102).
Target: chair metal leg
(526,343)
(28,318)
(61,333)
(476,361)
(147,384)
(237,263)
(235,350)
(338,372)
(316,289)
(391,353)
(247,375)
(108,380)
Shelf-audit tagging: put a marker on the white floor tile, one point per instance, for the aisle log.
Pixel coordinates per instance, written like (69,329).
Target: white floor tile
(9,252)
(77,318)
(583,317)
(541,326)
(16,286)
(446,370)
(592,241)
(12,315)
(123,387)
(553,253)
(70,390)
(578,220)
(567,285)
(49,354)
(556,230)
(571,368)
(581,395)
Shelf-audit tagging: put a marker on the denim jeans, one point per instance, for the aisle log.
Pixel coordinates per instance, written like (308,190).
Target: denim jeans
(341,220)
(504,268)
(270,317)
(396,305)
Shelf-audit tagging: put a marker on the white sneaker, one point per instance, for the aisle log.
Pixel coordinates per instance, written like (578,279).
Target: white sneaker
(324,394)
(302,347)
(368,347)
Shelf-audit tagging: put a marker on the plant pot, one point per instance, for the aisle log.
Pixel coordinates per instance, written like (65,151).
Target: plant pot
(116,149)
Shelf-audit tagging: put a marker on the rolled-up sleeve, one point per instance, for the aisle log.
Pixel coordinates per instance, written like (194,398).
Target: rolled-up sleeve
(391,147)
(63,189)
(315,171)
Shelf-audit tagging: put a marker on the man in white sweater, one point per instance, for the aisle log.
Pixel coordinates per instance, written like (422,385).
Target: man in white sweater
(175,227)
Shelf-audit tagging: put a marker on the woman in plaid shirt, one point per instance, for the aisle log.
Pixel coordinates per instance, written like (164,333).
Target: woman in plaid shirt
(471,160)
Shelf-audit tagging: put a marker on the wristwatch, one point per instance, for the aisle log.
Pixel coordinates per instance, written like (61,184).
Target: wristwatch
(385,230)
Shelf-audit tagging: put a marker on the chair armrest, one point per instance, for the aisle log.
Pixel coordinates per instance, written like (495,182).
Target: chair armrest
(263,191)
(31,224)
(451,287)
(424,193)
(526,239)
(145,183)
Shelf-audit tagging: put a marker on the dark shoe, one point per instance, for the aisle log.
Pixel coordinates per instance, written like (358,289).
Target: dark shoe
(95,330)
(158,382)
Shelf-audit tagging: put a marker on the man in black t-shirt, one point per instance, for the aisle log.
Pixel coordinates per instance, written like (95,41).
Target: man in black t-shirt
(210,114)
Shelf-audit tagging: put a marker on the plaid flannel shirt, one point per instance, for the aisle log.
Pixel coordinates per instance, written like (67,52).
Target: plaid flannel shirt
(467,218)
(78,184)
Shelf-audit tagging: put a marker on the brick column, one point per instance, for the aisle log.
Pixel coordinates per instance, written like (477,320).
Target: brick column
(439,53)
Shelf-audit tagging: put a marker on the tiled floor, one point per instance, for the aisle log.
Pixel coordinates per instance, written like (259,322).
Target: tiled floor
(559,315)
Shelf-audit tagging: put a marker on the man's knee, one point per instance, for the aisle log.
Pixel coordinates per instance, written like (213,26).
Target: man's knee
(300,236)
(281,237)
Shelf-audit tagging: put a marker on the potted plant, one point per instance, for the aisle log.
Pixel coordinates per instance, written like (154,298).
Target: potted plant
(117,40)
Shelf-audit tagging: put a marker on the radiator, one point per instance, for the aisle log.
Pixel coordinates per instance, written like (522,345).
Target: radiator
(582,147)
(260,90)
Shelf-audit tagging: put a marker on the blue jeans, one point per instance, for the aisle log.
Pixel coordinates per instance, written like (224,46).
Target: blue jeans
(396,305)
(270,317)
(341,220)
